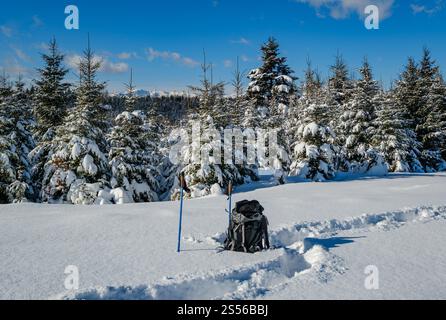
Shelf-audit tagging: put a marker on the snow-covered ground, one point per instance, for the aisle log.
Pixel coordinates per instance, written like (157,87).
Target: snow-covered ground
(324,236)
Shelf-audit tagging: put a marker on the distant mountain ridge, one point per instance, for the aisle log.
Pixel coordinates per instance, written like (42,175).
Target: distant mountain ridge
(157,93)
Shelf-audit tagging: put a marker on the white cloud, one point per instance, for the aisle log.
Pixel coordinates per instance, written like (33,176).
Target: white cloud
(21,54)
(436,7)
(341,9)
(228,63)
(127,55)
(242,41)
(190,62)
(42,46)
(417,8)
(124,55)
(176,56)
(112,67)
(107,66)
(6,31)
(153,54)
(37,22)
(244,58)
(13,67)
(73,61)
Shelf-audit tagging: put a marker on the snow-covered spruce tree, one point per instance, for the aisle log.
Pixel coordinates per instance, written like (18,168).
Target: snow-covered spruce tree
(50,106)
(340,85)
(8,156)
(314,152)
(428,72)
(5,88)
(283,92)
(312,86)
(208,93)
(284,88)
(8,160)
(406,91)
(311,89)
(356,126)
(253,117)
(430,92)
(241,113)
(207,174)
(170,138)
(16,124)
(269,93)
(238,103)
(164,129)
(393,136)
(133,154)
(260,89)
(433,128)
(278,151)
(273,80)
(406,100)
(337,94)
(21,113)
(203,163)
(78,171)
(169,171)
(251,126)
(50,103)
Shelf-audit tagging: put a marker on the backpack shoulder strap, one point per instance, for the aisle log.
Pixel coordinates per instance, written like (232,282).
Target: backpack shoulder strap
(230,240)
(244,238)
(265,224)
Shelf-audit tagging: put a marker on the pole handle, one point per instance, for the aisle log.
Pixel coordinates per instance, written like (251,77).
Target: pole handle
(182,180)
(229,211)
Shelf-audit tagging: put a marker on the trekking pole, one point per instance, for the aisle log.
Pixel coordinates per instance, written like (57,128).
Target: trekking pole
(181,211)
(230,201)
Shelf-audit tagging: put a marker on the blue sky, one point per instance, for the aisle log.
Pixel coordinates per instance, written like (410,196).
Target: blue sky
(163,40)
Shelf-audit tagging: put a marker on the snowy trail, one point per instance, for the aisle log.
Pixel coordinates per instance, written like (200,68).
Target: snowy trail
(134,245)
(303,253)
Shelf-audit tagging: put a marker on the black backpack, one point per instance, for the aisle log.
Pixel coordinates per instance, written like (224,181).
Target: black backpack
(248,231)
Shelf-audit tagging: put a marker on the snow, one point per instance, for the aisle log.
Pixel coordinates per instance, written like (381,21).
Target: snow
(300,169)
(312,152)
(300,148)
(255,88)
(285,78)
(76,151)
(351,140)
(380,169)
(121,196)
(311,129)
(216,189)
(283,108)
(324,235)
(328,151)
(89,166)
(82,193)
(283,88)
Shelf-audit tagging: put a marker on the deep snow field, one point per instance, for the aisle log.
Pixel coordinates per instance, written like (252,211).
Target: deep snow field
(324,236)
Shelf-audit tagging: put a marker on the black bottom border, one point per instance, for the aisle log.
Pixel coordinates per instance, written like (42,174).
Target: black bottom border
(268,309)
